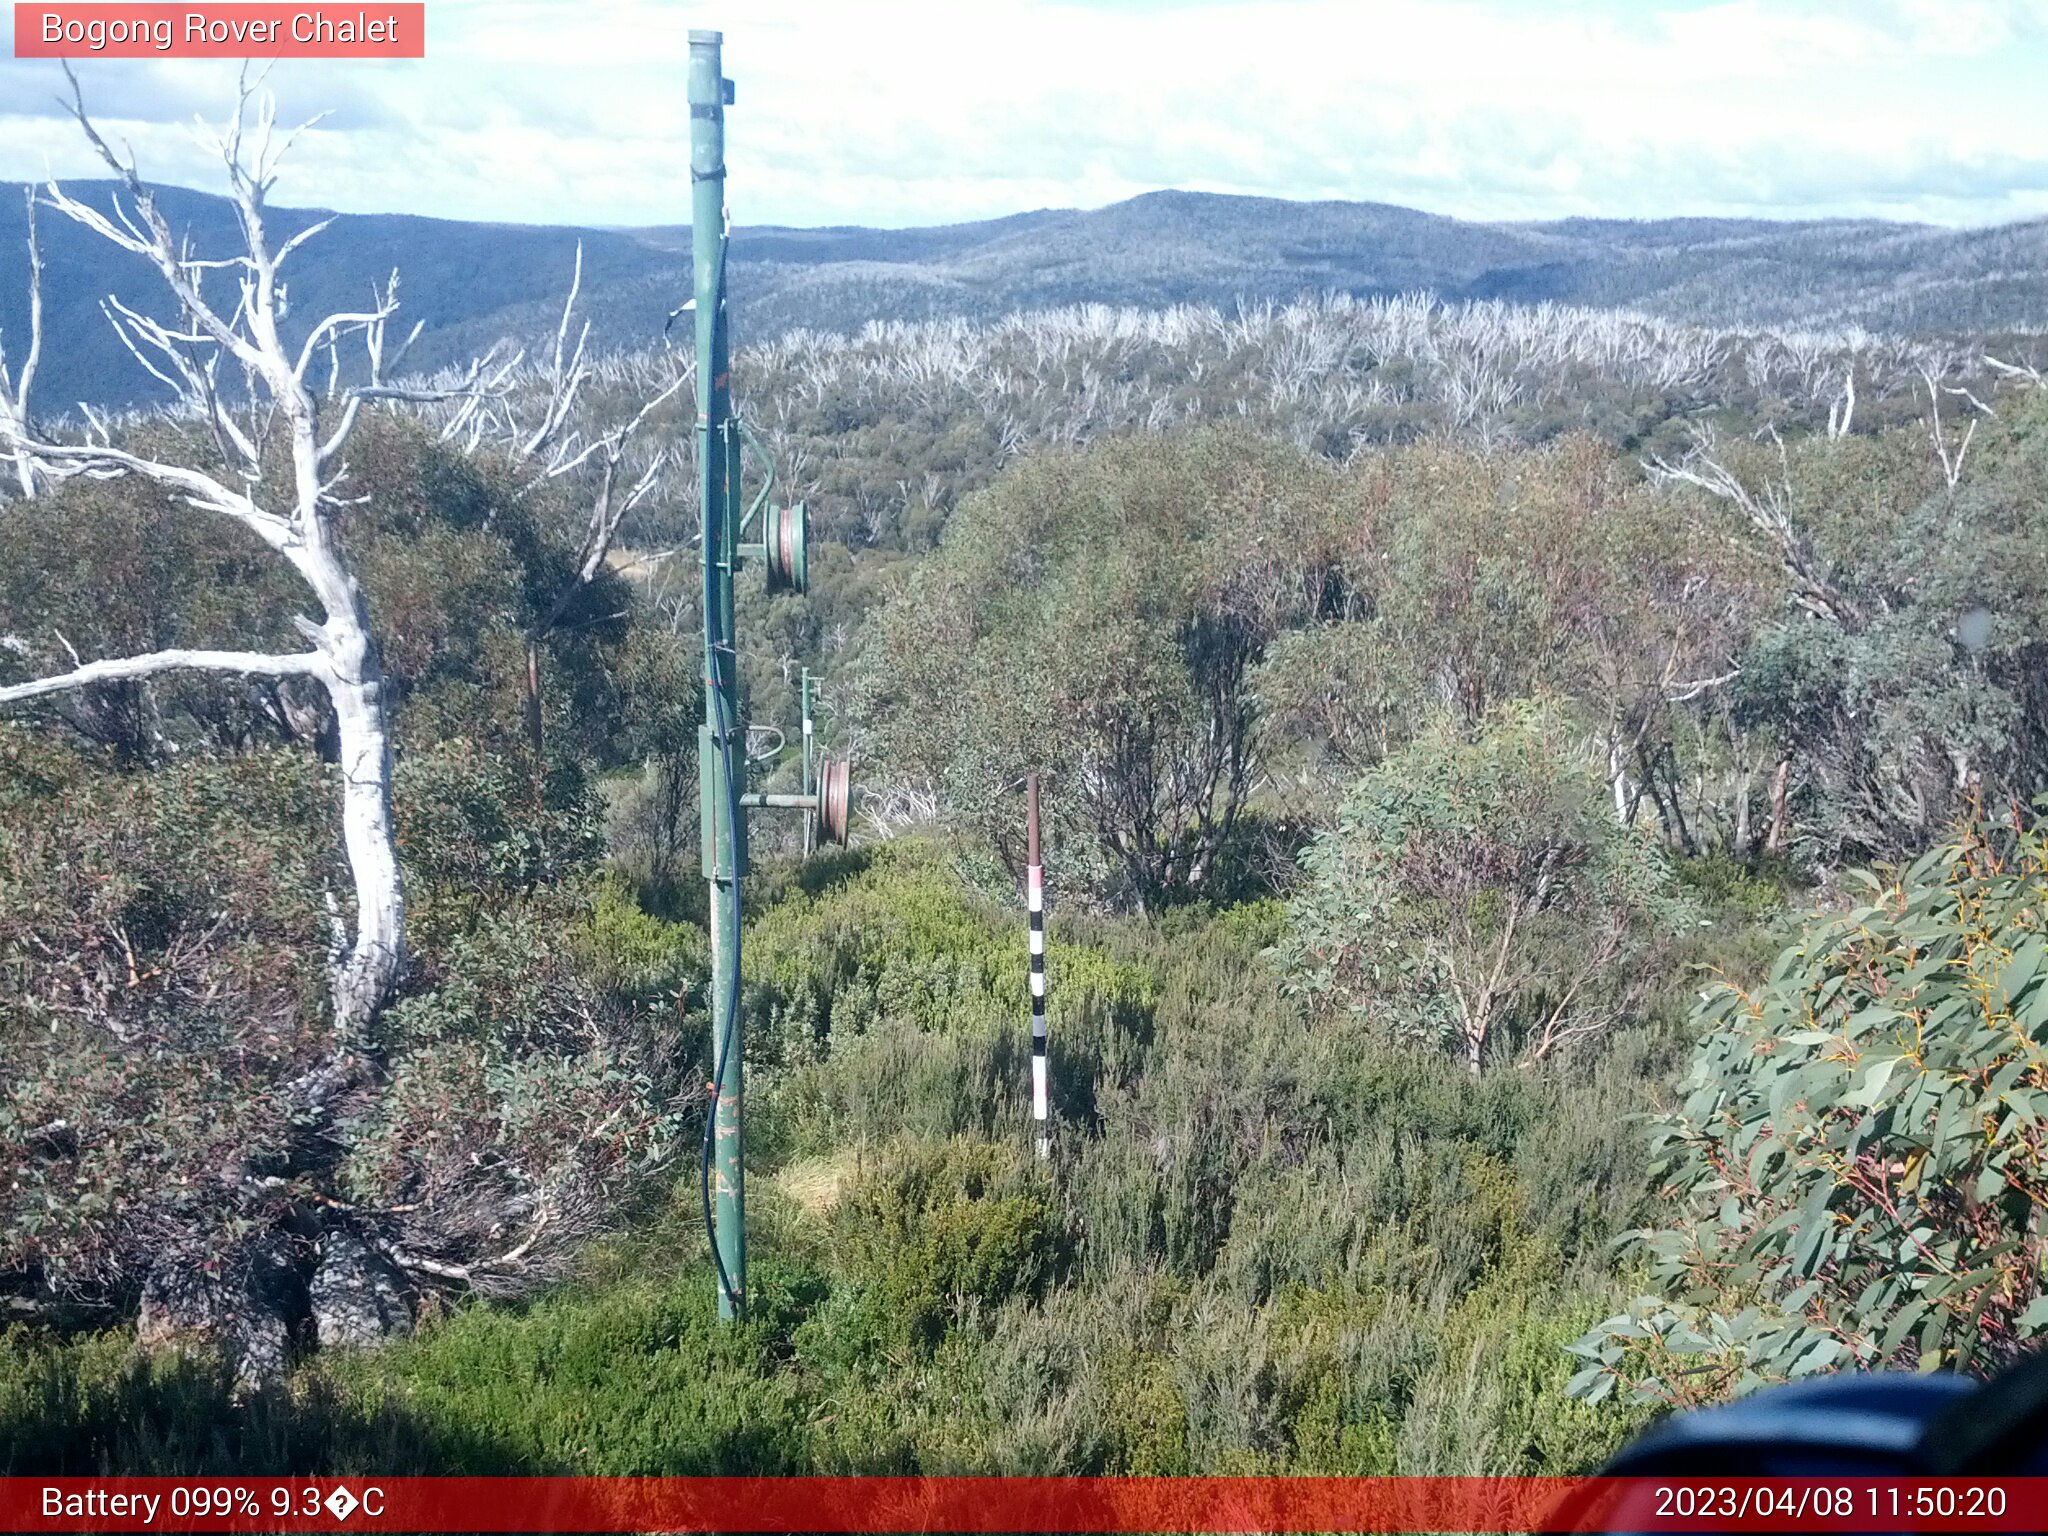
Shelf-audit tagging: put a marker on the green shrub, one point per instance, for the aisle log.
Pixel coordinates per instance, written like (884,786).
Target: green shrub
(937,1232)
(642,1380)
(150,923)
(882,996)
(1478,892)
(1861,1149)
(475,827)
(1265,1244)
(163,936)
(634,954)
(1097,615)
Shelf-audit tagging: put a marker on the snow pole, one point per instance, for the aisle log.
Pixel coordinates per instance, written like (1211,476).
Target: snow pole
(1034,899)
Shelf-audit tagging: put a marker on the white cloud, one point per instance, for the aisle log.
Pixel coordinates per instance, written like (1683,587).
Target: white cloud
(924,111)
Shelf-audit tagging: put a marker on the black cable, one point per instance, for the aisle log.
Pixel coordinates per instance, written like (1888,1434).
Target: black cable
(732,1005)
(712,675)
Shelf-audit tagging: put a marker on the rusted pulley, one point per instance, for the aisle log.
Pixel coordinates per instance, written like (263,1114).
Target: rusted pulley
(835,799)
(785,539)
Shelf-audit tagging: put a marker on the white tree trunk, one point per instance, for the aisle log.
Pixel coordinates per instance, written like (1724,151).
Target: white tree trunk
(378,954)
(355,684)
(1617,776)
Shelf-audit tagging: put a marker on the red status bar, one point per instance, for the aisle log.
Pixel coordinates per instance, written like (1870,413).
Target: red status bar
(1022,1504)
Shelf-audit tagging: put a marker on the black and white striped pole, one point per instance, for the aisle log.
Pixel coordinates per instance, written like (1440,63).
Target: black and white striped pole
(810,817)
(1034,897)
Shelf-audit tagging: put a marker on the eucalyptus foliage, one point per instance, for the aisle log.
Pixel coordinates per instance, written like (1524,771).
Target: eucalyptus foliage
(1479,886)
(1096,617)
(1861,1155)
(1932,681)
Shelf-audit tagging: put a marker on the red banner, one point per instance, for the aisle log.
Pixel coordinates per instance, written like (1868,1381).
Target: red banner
(363,29)
(1022,1504)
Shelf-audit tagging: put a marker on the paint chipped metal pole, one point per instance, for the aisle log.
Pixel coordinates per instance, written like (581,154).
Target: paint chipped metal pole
(721,747)
(1034,898)
(778,537)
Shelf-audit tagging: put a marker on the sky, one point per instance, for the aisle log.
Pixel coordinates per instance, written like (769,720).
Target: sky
(912,112)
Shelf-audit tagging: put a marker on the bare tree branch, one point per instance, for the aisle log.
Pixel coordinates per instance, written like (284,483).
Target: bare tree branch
(153,238)
(564,379)
(1951,462)
(100,460)
(128,668)
(1691,691)
(2024,372)
(485,381)
(1769,511)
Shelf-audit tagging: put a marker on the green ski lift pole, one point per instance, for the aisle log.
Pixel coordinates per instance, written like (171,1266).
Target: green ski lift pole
(780,544)
(722,828)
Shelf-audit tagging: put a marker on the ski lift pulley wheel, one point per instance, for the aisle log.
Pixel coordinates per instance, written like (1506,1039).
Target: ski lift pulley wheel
(785,539)
(835,799)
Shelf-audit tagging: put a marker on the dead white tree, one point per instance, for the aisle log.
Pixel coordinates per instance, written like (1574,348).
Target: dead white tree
(610,504)
(277,414)
(899,805)
(1951,458)
(2019,373)
(14,391)
(568,454)
(566,374)
(1843,410)
(612,498)
(1768,508)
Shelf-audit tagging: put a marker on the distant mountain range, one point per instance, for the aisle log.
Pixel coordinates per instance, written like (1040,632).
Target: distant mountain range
(475,282)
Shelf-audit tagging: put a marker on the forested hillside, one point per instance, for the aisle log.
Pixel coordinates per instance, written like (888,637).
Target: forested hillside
(1467,733)
(474,283)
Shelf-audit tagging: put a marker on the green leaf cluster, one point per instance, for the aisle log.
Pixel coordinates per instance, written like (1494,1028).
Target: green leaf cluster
(1477,892)
(1860,1156)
